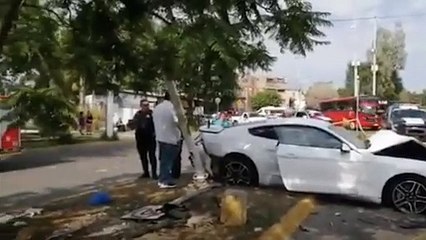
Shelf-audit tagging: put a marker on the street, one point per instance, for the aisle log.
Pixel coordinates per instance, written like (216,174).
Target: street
(341,219)
(39,175)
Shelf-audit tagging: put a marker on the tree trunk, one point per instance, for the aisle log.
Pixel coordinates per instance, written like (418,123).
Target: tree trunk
(190,111)
(200,172)
(11,16)
(82,91)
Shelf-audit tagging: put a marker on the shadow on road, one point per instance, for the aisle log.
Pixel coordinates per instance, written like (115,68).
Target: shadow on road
(34,158)
(34,199)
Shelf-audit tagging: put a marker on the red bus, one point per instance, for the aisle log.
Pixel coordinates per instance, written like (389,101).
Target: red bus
(342,111)
(10,137)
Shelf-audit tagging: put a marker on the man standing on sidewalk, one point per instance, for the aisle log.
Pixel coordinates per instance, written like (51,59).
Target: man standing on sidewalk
(168,136)
(145,138)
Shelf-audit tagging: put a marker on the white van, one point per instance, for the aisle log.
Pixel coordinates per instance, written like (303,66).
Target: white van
(271,111)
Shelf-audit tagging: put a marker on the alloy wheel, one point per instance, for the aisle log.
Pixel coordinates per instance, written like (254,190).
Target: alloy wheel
(237,173)
(409,196)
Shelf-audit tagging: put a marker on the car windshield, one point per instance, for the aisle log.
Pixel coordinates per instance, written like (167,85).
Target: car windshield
(368,109)
(350,136)
(408,113)
(253,114)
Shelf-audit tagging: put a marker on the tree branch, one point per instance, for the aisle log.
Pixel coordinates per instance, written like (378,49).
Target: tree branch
(11,16)
(163,19)
(48,10)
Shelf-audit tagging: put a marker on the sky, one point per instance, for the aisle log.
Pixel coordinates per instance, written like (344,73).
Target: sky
(351,39)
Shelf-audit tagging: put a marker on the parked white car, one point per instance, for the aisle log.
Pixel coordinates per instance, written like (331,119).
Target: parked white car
(309,155)
(312,114)
(247,117)
(271,111)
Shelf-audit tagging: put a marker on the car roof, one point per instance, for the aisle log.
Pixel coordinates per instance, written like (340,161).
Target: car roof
(288,121)
(268,122)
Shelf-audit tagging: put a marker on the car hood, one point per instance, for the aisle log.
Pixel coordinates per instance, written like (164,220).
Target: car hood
(384,139)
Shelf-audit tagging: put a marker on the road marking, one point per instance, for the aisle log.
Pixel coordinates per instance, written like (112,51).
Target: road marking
(290,222)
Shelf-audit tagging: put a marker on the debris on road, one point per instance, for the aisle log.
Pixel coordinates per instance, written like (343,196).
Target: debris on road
(413,223)
(20,224)
(110,231)
(151,212)
(193,191)
(28,213)
(100,198)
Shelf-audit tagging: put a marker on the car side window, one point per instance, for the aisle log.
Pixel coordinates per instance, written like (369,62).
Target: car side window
(264,132)
(307,137)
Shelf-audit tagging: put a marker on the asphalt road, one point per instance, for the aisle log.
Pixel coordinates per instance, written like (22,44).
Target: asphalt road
(338,219)
(39,175)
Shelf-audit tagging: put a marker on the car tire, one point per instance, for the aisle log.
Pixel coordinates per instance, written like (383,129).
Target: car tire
(404,194)
(239,170)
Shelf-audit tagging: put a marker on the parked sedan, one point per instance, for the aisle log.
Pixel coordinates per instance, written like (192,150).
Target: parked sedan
(309,155)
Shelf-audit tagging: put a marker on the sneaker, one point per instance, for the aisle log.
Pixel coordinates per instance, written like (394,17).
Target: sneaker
(166,185)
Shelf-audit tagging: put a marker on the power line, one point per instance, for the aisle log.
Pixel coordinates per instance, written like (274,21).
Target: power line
(377,17)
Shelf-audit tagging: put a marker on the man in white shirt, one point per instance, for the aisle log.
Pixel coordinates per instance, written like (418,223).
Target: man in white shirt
(168,136)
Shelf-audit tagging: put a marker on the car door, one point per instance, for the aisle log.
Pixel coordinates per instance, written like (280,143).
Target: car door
(313,160)
(266,141)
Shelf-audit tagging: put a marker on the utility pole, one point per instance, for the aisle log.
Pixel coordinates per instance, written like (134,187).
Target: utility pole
(355,65)
(374,67)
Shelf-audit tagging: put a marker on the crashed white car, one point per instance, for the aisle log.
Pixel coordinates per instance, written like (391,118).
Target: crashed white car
(309,155)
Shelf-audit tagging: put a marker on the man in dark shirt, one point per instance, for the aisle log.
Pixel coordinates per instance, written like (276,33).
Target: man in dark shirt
(145,138)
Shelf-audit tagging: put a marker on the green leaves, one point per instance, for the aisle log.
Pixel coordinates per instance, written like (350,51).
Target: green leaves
(50,111)
(266,98)
(296,28)
(138,44)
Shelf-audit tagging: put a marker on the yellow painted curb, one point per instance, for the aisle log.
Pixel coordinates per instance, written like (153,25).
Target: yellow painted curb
(290,222)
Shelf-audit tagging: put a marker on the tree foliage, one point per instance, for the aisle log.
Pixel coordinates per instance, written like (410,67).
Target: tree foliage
(266,98)
(51,110)
(130,44)
(391,58)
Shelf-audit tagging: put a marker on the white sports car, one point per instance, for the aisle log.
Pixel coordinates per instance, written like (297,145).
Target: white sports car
(309,155)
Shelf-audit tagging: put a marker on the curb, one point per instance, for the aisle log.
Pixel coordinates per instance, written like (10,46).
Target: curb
(290,221)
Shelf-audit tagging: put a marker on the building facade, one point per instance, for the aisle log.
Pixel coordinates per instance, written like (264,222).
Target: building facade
(291,94)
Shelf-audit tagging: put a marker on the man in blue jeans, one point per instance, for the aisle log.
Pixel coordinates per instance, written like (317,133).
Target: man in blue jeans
(168,135)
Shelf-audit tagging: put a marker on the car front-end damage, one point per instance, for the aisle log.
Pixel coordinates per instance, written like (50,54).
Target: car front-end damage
(392,144)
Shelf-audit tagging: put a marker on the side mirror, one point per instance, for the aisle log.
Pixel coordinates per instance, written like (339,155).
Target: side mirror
(345,148)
